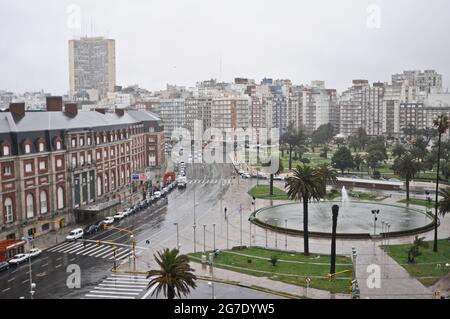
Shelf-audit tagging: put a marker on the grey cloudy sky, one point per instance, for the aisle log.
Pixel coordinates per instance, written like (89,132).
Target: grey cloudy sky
(181,41)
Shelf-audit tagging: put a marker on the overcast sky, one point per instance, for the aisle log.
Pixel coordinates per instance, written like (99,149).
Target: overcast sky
(183,41)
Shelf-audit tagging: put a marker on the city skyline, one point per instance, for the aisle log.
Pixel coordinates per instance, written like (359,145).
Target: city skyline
(206,45)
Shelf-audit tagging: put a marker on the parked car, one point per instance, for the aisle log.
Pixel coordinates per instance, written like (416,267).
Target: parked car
(278,178)
(4,265)
(129,211)
(119,216)
(92,229)
(35,252)
(108,220)
(18,259)
(157,195)
(246,175)
(75,234)
(100,224)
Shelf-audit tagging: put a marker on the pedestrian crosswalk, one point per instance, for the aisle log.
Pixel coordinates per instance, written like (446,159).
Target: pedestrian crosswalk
(119,286)
(104,251)
(210,181)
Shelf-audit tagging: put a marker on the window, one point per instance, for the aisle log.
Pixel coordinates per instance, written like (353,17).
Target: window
(99,186)
(82,160)
(58,145)
(28,168)
(105,153)
(43,198)
(99,155)
(74,142)
(7,171)
(121,149)
(74,162)
(60,193)
(104,138)
(88,141)
(89,158)
(45,227)
(113,180)
(9,216)
(30,206)
(41,147)
(27,149)
(59,163)
(111,152)
(6,150)
(98,140)
(82,141)
(105,184)
(42,165)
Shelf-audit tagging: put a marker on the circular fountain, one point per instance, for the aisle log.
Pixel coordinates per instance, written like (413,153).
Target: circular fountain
(355,218)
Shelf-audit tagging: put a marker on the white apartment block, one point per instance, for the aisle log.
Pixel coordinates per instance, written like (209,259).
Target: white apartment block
(426,81)
(173,114)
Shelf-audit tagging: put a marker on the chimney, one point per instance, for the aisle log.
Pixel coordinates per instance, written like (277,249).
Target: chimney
(71,109)
(17,109)
(120,112)
(54,104)
(103,111)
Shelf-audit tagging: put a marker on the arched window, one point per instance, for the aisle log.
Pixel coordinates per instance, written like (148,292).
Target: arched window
(99,186)
(9,215)
(60,193)
(113,180)
(30,206)
(6,150)
(43,200)
(58,145)
(41,147)
(105,184)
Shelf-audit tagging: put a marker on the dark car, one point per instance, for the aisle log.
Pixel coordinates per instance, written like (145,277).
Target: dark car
(92,229)
(4,265)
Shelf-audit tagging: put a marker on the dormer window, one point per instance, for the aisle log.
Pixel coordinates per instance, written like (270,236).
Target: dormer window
(27,148)
(41,147)
(6,150)
(58,145)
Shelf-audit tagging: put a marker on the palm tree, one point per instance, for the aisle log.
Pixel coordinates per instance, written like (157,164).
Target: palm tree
(328,176)
(444,203)
(406,167)
(175,277)
(305,184)
(442,124)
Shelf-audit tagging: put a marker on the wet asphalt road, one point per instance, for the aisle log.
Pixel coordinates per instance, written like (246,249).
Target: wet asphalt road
(49,271)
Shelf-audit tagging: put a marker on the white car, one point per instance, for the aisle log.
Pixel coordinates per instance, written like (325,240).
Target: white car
(165,189)
(120,215)
(75,234)
(35,252)
(108,221)
(157,194)
(18,259)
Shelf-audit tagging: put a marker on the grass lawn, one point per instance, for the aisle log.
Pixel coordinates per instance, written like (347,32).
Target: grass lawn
(365,196)
(426,268)
(262,192)
(292,268)
(417,201)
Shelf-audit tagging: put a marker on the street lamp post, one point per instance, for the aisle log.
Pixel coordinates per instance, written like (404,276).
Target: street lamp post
(32,285)
(240,222)
(383,234)
(178,236)
(195,245)
(204,238)
(266,237)
(335,211)
(250,233)
(214,237)
(226,217)
(375,213)
(285,238)
(276,237)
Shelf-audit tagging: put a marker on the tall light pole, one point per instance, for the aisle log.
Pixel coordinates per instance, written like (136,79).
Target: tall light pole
(266,237)
(335,211)
(285,239)
(226,218)
(204,238)
(178,237)
(375,213)
(250,233)
(32,284)
(276,237)
(195,245)
(240,222)
(214,237)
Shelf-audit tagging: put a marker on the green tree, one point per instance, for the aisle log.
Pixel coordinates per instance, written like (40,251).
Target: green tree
(359,139)
(414,251)
(406,167)
(358,160)
(445,169)
(442,124)
(279,171)
(342,159)
(323,134)
(292,138)
(398,150)
(304,185)
(175,277)
(339,141)
(419,148)
(374,158)
(327,175)
(325,151)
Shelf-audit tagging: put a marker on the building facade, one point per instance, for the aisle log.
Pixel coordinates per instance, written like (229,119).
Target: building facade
(57,163)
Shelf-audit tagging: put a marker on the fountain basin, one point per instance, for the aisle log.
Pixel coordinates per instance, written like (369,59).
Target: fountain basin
(355,219)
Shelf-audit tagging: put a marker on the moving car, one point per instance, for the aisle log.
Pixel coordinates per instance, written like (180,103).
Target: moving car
(119,216)
(35,252)
(18,259)
(75,234)
(4,265)
(92,229)
(108,220)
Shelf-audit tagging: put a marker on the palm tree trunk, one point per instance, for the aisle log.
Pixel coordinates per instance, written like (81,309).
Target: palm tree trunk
(290,157)
(407,190)
(436,204)
(170,293)
(271,185)
(305,227)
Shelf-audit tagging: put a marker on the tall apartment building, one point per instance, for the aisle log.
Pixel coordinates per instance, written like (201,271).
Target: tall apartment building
(372,108)
(318,107)
(230,112)
(426,81)
(59,166)
(198,108)
(350,108)
(173,114)
(92,67)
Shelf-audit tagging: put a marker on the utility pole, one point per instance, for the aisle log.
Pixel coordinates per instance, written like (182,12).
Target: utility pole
(240,222)
(335,210)
(195,246)
(214,237)
(204,238)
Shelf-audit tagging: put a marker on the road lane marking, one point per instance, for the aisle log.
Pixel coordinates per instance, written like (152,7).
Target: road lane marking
(5,290)
(123,286)
(107,251)
(44,265)
(59,265)
(59,246)
(59,258)
(113,297)
(113,292)
(11,279)
(73,249)
(98,252)
(125,282)
(73,259)
(90,250)
(84,247)
(118,289)
(25,281)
